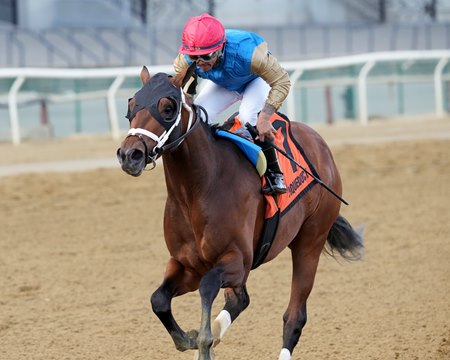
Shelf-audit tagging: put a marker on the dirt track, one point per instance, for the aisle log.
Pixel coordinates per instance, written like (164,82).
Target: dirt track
(81,252)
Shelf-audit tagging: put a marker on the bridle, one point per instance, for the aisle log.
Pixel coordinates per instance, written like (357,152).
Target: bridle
(151,155)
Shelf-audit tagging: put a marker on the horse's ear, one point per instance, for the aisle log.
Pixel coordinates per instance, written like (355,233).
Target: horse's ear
(183,77)
(145,75)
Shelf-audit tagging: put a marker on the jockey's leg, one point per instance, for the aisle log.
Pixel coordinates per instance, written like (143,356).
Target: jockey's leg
(274,176)
(215,99)
(253,101)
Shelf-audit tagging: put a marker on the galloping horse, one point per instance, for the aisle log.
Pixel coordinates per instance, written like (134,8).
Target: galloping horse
(214,213)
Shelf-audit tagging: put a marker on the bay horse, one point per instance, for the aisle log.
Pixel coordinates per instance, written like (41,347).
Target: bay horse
(214,213)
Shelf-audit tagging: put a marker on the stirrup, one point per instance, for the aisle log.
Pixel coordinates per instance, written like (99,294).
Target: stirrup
(274,184)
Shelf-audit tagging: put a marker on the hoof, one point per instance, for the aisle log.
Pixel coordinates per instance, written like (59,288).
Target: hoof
(188,342)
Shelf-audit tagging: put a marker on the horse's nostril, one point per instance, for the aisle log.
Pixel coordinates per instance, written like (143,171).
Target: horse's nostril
(120,154)
(136,155)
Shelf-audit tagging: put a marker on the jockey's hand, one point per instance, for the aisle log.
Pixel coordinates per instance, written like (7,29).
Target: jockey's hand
(265,129)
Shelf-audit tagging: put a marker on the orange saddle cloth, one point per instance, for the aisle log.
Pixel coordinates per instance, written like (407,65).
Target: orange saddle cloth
(298,182)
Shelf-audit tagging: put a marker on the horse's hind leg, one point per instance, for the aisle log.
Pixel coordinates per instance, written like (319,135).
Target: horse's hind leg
(306,252)
(236,301)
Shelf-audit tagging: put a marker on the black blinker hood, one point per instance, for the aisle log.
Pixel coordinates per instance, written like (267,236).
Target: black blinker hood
(159,86)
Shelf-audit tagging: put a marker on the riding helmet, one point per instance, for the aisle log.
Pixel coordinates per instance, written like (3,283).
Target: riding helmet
(202,35)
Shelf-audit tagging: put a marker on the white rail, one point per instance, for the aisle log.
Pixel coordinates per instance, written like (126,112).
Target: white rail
(297,70)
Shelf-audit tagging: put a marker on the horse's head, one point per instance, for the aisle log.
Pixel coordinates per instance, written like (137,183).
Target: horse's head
(159,115)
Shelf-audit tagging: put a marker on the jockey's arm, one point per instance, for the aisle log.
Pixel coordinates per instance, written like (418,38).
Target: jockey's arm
(269,69)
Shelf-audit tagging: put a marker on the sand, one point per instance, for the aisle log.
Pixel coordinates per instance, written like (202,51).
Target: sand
(81,250)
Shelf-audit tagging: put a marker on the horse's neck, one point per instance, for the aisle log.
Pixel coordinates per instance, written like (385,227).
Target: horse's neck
(193,164)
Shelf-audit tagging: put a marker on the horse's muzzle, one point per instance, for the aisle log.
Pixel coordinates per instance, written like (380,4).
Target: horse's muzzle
(133,160)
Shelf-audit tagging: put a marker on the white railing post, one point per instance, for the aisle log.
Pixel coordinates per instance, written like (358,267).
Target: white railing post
(362,91)
(111,103)
(13,111)
(290,101)
(438,94)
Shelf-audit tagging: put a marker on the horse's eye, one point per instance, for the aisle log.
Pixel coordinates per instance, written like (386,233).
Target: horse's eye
(168,111)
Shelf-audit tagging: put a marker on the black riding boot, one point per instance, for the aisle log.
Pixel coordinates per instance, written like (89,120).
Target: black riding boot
(274,177)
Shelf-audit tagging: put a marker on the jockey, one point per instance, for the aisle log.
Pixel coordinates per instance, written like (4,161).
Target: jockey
(239,67)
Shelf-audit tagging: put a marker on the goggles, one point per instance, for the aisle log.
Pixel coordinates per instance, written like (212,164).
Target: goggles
(205,57)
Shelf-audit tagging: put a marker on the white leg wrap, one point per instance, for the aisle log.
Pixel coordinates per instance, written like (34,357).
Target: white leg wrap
(285,354)
(221,324)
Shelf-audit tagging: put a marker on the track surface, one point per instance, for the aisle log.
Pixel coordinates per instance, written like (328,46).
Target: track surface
(80,252)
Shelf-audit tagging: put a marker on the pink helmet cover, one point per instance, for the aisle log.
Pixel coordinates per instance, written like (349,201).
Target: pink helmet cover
(202,35)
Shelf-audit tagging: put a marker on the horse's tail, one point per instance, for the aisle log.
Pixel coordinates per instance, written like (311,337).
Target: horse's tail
(345,240)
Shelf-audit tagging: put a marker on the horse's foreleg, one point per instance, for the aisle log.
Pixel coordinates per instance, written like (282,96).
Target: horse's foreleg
(236,301)
(176,282)
(209,288)
(305,260)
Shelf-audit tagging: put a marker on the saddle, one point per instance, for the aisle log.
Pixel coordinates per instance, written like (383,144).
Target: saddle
(298,182)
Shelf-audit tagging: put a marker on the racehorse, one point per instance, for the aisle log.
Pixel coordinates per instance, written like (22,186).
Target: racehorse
(214,213)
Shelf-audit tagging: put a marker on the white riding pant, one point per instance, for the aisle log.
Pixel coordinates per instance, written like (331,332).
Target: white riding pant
(216,99)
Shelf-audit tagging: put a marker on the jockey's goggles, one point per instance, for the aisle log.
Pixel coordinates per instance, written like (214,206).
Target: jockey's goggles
(205,57)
